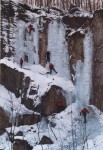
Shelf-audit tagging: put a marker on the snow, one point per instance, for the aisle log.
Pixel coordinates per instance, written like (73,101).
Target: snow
(61,134)
(81,13)
(9,101)
(44,81)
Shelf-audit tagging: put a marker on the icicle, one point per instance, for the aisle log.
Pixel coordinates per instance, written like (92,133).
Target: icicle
(58,47)
(84,72)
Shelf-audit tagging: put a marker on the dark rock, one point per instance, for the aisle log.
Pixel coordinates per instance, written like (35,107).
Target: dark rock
(45,140)
(76,22)
(56,9)
(49,100)
(33,90)
(75,50)
(74,9)
(21,145)
(25,86)
(97,29)
(29,103)
(25,6)
(43,42)
(28,119)
(53,124)
(14,81)
(20,133)
(11,79)
(72,6)
(4,121)
(23,17)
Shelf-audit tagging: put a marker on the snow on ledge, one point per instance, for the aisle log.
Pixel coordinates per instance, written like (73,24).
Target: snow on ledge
(33,71)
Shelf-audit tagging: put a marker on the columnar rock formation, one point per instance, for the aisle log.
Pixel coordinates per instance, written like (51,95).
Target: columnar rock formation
(97,27)
(43,38)
(4,121)
(75,51)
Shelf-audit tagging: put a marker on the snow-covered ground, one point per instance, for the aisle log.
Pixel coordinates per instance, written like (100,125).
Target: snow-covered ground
(68,131)
(9,101)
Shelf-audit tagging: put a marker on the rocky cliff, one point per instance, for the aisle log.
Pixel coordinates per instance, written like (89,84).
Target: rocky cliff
(97,29)
(73,26)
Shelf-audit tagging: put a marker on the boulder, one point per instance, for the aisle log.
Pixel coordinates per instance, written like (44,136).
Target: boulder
(45,140)
(4,121)
(20,133)
(21,145)
(48,101)
(50,98)
(11,79)
(28,119)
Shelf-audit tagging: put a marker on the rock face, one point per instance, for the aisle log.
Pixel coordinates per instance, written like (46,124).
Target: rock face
(43,38)
(28,119)
(11,79)
(75,40)
(21,145)
(14,80)
(97,95)
(49,100)
(9,17)
(4,120)
(45,140)
(75,50)
(76,22)
(29,102)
